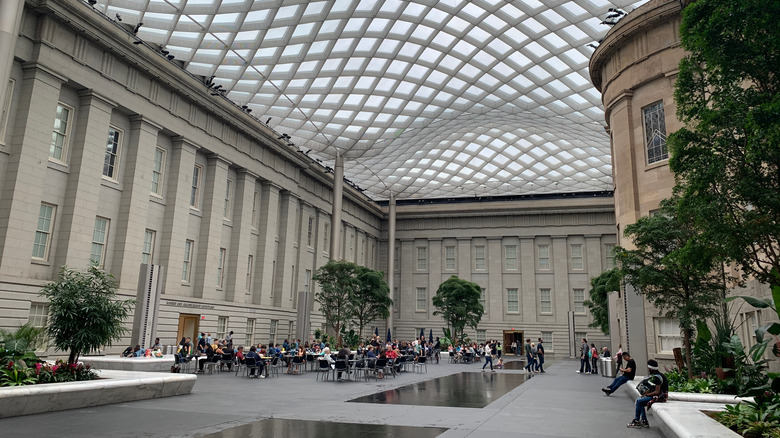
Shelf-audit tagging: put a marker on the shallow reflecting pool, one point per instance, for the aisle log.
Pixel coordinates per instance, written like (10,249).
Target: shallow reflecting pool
(463,390)
(277,427)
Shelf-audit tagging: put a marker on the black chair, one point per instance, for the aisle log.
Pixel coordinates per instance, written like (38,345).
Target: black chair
(379,368)
(213,363)
(341,368)
(311,362)
(297,365)
(421,362)
(323,368)
(273,368)
(226,360)
(250,364)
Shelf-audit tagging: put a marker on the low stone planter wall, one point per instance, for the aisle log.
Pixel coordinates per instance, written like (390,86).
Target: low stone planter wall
(112,387)
(152,364)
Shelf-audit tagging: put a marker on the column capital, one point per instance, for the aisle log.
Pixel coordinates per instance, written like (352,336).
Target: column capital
(180,142)
(246,174)
(218,159)
(139,120)
(36,70)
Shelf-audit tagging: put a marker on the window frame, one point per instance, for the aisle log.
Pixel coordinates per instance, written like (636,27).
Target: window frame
(547,341)
(661,149)
(579,306)
(577,261)
(158,175)
(197,177)
(480,260)
(66,135)
(5,110)
(422,258)
(510,261)
(310,231)
(542,301)
(227,213)
(101,262)
(38,316)
(186,271)
(273,327)
(48,232)
(543,257)
(421,299)
(222,327)
(221,267)
(150,242)
(657,326)
(450,258)
(250,261)
(249,336)
(516,300)
(119,135)
(255,210)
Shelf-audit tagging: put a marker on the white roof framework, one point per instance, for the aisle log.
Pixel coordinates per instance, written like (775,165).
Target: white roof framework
(424,99)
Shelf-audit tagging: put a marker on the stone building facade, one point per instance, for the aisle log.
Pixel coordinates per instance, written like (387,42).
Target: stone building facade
(111,153)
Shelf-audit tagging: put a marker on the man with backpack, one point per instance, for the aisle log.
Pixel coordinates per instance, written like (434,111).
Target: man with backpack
(539,356)
(653,389)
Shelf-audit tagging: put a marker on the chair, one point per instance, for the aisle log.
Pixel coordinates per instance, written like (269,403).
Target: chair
(379,367)
(389,368)
(453,358)
(398,363)
(341,366)
(360,369)
(274,367)
(226,359)
(184,364)
(311,362)
(297,365)
(323,368)
(421,362)
(250,363)
(437,355)
(212,363)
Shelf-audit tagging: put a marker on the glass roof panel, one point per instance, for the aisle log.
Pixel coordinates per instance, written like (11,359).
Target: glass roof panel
(451,98)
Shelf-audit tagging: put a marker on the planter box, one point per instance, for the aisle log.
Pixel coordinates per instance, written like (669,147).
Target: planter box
(112,387)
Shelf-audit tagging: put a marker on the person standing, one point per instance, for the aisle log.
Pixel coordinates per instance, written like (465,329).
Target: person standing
(514,347)
(584,362)
(658,392)
(529,356)
(594,358)
(540,356)
(628,374)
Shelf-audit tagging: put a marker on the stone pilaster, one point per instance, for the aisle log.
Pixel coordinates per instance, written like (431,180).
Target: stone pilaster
(236,289)
(214,188)
(266,245)
(286,255)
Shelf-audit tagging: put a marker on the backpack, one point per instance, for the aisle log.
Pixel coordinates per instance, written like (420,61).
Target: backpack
(647,384)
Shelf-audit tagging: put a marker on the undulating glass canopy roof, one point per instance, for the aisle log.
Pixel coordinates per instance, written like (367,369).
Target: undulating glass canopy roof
(424,99)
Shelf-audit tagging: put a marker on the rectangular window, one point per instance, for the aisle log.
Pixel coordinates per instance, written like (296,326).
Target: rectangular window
(148,251)
(481,336)
(545,301)
(157,171)
(512,301)
(547,340)
(111,162)
(221,266)
(228,200)
(325,237)
(396,300)
(397,258)
(249,268)
(609,251)
(576,257)
(197,173)
(59,136)
(309,231)
(449,258)
(655,133)
(667,335)
(579,336)
(6,110)
(189,246)
(290,331)
(255,205)
(43,232)
(272,331)
(222,322)
(362,252)
(99,237)
(510,257)
(751,322)
(307,280)
(39,316)
(579,298)
(479,257)
(422,299)
(544,257)
(422,258)
(483,299)
(249,340)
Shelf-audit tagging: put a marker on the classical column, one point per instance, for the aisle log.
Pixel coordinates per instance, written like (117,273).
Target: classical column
(335,226)
(24,176)
(284,289)
(213,210)
(236,285)
(10,20)
(138,154)
(85,170)
(391,255)
(177,215)
(265,264)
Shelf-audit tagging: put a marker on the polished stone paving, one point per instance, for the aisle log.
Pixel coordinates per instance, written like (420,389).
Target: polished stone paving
(276,427)
(461,390)
(560,403)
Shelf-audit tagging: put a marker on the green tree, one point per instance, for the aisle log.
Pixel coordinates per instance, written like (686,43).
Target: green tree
(83,313)
(457,301)
(338,284)
(371,300)
(600,287)
(676,271)
(726,158)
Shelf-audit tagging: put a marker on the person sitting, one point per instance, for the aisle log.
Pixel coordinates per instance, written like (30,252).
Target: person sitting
(628,374)
(343,354)
(156,345)
(128,352)
(208,356)
(258,361)
(138,351)
(658,392)
(500,364)
(370,354)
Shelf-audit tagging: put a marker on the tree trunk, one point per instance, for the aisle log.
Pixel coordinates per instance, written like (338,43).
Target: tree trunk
(687,345)
(73,356)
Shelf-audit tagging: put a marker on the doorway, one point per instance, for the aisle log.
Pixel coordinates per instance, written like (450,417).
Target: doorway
(188,326)
(509,337)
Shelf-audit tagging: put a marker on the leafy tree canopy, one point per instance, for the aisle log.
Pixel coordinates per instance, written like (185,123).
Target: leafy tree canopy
(600,287)
(676,271)
(457,301)
(371,300)
(727,157)
(338,283)
(83,313)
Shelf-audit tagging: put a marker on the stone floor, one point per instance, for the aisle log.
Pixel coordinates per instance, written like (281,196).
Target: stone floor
(559,403)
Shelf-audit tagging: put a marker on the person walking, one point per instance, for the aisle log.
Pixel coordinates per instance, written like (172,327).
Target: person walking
(488,357)
(540,356)
(584,362)
(529,356)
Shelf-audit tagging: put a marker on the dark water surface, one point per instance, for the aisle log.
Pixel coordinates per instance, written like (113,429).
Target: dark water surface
(277,427)
(463,390)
